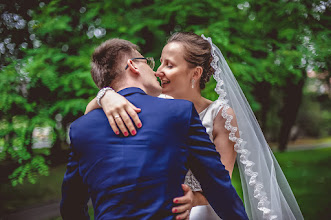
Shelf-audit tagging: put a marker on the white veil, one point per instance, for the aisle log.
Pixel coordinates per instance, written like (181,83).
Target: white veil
(267,195)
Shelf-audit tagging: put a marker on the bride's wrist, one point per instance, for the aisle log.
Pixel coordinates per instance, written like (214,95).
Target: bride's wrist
(109,95)
(102,93)
(91,106)
(199,199)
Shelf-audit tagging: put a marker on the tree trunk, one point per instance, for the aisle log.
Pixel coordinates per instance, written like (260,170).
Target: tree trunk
(28,138)
(262,94)
(58,154)
(291,103)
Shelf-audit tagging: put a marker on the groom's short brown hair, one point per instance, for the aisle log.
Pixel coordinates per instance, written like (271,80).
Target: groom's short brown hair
(107,60)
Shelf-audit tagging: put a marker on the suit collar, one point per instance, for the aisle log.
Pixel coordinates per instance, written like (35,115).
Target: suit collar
(131,90)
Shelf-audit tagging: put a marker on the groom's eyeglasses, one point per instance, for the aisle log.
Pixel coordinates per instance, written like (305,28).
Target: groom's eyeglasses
(150,61)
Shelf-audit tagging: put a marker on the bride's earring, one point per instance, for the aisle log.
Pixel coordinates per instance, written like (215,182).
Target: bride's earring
(193,81)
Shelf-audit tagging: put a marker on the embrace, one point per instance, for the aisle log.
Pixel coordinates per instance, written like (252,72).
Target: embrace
(178,161)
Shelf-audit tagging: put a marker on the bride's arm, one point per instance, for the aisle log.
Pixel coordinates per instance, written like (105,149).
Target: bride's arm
(223,144)
(185,203)
(199,199)
(113,104)
(91,106)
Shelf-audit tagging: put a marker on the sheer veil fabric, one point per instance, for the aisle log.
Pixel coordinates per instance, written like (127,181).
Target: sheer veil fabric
(267,194)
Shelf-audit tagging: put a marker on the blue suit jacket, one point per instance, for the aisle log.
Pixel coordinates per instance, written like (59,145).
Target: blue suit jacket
(137,177)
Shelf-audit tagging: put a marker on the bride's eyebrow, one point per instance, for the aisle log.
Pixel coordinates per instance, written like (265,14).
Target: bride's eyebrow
(166,60)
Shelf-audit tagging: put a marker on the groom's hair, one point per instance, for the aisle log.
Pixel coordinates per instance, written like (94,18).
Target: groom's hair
(108,61)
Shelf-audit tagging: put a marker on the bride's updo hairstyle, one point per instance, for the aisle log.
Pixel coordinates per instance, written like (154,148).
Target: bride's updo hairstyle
(197,53)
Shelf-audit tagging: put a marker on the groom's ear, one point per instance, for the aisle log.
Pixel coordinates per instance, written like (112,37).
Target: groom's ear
(132,66)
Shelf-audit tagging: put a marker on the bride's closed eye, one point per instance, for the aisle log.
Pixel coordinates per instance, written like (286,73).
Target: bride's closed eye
(168,64)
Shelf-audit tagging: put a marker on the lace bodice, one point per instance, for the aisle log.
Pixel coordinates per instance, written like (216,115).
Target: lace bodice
(207,117)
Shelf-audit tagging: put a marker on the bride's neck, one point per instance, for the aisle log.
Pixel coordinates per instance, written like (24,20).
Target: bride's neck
(200,103)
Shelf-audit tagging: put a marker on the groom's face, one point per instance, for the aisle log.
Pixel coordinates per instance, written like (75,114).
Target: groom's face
(148,78)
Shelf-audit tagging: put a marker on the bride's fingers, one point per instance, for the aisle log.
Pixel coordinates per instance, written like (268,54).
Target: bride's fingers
(118,120)
(184,215)
(186,188)
(113,124)
(127,122)
(187,198)
(135,108)
(187,204)
(132,111)
(182,208)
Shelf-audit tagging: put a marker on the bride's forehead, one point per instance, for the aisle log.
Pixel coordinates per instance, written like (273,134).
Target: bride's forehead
(174,46)
(173,49)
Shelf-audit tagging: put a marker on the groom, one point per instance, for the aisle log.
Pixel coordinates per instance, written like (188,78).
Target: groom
(136,177)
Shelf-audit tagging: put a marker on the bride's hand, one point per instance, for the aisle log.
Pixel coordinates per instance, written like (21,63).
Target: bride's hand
(118,111)
(186,202)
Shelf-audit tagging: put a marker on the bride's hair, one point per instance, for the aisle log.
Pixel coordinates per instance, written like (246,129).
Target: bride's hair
(197,53)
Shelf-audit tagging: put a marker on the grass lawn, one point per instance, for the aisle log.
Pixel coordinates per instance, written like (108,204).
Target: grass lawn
(47,189)
(307,172)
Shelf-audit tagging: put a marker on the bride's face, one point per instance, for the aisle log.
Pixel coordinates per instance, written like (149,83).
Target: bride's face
(174,71)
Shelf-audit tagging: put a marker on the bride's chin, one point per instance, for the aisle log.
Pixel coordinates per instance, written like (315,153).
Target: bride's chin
(164,87)
(166,92)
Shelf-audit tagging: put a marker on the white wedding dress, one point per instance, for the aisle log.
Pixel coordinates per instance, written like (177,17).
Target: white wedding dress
(207,117)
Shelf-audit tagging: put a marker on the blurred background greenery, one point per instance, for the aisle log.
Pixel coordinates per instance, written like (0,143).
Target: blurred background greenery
(279,51)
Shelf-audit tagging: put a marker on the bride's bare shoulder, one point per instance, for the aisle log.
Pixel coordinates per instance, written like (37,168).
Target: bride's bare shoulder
(221,118)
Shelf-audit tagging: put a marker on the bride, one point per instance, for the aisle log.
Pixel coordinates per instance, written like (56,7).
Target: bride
(187,63)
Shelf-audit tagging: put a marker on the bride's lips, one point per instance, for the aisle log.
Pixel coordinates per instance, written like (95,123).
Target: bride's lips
(164,82)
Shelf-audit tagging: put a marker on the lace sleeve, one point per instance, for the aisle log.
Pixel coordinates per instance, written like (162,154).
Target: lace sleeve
(192,182)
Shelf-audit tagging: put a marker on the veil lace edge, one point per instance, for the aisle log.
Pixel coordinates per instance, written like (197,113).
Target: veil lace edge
(239,146)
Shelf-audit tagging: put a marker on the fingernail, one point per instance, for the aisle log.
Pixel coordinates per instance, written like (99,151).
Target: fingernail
(125,133)
(139,125)
(133,132)
(175,210)
(178,218)
(117,132)
(176,200)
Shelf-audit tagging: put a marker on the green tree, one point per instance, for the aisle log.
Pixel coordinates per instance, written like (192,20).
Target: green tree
(268,45)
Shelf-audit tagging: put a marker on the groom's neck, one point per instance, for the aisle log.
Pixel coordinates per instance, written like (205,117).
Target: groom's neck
(134,82)
(128,85)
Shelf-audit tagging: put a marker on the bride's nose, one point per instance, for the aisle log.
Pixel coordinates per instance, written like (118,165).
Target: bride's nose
(159,71)
(159,74)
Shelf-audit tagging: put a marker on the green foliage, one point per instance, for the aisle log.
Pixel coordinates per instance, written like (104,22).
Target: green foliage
(29,170)
(263,41)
